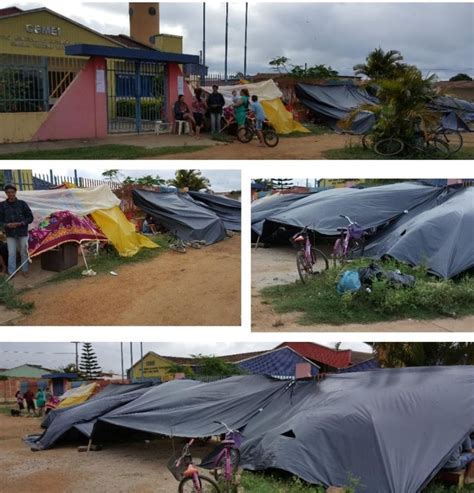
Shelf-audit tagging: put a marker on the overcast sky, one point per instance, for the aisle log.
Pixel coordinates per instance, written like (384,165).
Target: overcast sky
(54,355)
(221,180)
(437,37)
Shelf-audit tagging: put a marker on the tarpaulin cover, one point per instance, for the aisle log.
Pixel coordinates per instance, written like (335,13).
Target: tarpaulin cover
(83,416)
(76,396)
(229,210)
(392,429)
(78,201)
(192,412)
(369,207)
(440,237)
(269,206)
(336,102)
(121,232)
(61,227)
(181,215)
(269,95)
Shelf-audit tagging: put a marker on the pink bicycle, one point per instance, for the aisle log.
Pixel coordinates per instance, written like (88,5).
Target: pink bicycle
(227,460)
(351,238)
(309,260)
(190,480)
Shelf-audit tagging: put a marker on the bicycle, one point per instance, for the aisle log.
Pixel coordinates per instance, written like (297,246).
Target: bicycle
(351,238)
(227,460)
(307,256)
(246,133)
(452,138)
(190,480)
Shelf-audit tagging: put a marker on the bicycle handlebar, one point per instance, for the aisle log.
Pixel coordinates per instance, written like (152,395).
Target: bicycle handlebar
(226,427)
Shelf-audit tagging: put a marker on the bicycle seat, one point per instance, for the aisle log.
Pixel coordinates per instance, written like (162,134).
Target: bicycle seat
(342,229)
(228,442)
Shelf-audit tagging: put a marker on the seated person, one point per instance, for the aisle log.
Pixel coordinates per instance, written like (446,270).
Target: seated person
(182,112)
(461,457)
(149,225)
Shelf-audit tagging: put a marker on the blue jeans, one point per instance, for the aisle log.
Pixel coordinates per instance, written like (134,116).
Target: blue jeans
(216,122)
(12,244)
(464,460)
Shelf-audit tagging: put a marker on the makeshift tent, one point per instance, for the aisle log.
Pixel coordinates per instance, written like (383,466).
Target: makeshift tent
(369,207)
(440,237)
(269,95)
(121,232)
(181,215)
(227,209)
(269,206)
(83,417)
(61,227)
(391,429)
(333,103)
(100,202)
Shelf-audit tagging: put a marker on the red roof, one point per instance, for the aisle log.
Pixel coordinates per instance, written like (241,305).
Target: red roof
(322,354)
(9,11)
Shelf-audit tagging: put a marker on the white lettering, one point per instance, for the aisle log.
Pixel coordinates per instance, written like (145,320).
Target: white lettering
(46,30)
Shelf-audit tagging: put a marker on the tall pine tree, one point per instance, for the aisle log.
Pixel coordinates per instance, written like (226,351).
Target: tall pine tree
(89,366)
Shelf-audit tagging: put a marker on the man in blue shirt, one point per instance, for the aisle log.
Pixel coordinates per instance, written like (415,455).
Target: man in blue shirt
(461,457)
(260,117)
(15,215)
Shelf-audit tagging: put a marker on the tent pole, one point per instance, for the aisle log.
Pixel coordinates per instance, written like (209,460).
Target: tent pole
(258,242)
(226,39)
(23,263)
(245,43)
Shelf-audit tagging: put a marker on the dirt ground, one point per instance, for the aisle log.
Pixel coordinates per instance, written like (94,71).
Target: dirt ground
(137,467)
(201,287)
(277,265)
(310,147)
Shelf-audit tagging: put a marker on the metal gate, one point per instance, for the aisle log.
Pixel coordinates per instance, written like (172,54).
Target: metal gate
(135,95)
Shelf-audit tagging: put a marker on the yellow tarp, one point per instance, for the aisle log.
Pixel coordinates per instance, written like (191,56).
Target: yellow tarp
(121,232)
(281,118)
(76,396)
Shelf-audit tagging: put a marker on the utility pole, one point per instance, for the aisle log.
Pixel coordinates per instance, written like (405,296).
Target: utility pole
(77,356)
(203,41)
(121,359)
(141,355)
(131,361)
(245,43)
(226,39)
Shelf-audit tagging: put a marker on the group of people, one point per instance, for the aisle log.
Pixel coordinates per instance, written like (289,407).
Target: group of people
(214,104)
(15,216)
(38,404)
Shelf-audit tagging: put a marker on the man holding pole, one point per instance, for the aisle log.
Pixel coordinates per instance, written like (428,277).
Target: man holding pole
(15,215)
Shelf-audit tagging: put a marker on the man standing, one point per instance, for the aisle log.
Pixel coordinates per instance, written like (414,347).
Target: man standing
(215,103)
(15,215)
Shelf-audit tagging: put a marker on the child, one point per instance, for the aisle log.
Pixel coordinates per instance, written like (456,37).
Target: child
(260,117)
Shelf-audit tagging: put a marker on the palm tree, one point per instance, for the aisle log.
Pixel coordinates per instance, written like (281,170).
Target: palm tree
(150,180)
(191,179)
(380,65)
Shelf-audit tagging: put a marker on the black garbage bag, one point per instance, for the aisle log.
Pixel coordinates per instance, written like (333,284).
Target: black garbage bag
(399,280)
(369,274)
(374,272)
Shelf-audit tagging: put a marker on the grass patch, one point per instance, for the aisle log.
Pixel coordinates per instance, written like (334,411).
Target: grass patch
(443,488)
(319,303)
(11,299)
(262,483)
(5,409)
(358,152)
(108,260)
(108,151)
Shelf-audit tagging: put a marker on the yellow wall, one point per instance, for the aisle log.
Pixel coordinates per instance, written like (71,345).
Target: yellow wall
(169,43)
(15,39)
(20,127)
(153,367)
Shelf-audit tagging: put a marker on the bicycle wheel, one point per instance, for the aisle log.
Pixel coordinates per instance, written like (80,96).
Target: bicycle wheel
(220,468)
(270,137)
(322,262)
(356,246)
(304,269)
(207,485)
(244,134)
(438,149)
(368,141)
(338,252)
(389,147)
(452,138)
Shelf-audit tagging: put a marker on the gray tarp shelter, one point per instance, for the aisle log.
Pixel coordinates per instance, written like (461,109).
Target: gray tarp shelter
(229,210)
(370,207)
(181,215)
(335,102)
(440,237)
(392,429)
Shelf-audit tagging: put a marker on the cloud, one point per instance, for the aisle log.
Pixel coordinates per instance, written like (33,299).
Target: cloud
(438,37)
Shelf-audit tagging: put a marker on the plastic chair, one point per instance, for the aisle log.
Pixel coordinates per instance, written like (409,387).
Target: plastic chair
(181,126)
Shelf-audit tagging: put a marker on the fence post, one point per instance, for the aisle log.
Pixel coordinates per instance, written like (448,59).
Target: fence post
(76,182)
(138,109)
